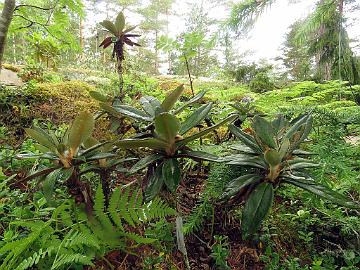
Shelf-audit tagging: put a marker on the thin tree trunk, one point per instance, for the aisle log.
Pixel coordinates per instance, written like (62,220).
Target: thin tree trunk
(14,48)
(189,74)
(156,52)
(5,20)
(121,79)
(81,38)
(341,11)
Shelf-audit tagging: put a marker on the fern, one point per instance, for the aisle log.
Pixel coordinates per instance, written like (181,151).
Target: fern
(86,236)
(219,176)
(16,248)
(65,259)
(79,239)
(197,218)
(33,260)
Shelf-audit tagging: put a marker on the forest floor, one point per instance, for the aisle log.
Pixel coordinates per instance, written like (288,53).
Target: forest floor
(301,233)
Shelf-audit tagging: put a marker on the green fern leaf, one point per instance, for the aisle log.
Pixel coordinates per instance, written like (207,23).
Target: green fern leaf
(132,207)
(113,206)
(99,208)
(65,259)
(140,239)
(124,209)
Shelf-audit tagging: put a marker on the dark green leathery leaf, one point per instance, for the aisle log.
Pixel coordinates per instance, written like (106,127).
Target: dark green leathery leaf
(171,173)
(156,182)
(265,131)
(256,208)
(195,118)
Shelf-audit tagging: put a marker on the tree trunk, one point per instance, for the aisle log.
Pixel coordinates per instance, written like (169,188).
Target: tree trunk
(81,38)
(5,20)
(341,11)
(189,74)
(156,52)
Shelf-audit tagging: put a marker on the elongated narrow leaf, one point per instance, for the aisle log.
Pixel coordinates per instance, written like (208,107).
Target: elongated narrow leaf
(239,183)
(156,181)
(150,104)
(120,22)
(306,129)
(264,131)
(242,148)
(256,208)
(133,113)
(60,175)
(191,101)
(167,127)
(41,148)
(301,163)
(40,172)
(130,29)
(245,138)
(302,152)
(98,96)
(323,192)
(295,125)
(171,98)
(41,137)
(108,25)
(144,162)
(280,123)
(109,109)
(81,129)
(137,143)
(284,148)
(101,156)
(245,160)
(104,146)
(171,173)
(204,131)
(199,155)
(195,118)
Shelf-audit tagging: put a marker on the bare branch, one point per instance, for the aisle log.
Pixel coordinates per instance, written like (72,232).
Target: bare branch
(33,6)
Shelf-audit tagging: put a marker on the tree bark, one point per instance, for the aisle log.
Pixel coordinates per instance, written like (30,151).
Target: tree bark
(81,38)
(189,74)
(341,11)
(156,52)
(5,20)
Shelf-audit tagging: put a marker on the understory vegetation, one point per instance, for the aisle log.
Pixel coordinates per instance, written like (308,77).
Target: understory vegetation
(106,164)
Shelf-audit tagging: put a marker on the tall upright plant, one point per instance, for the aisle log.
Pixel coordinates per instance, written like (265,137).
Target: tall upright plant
(121,36)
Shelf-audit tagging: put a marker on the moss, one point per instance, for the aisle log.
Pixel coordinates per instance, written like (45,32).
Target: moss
(61,102)
(11,67)
(55,102)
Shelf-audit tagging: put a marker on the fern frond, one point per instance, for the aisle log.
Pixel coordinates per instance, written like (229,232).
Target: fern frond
(123,208)
(65,259)
(99,210)
(198,216)
(113,206)
(34,259)
(157,209)
(140,239)
(79,239)
(134,201)
(62,213)
(17,247)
